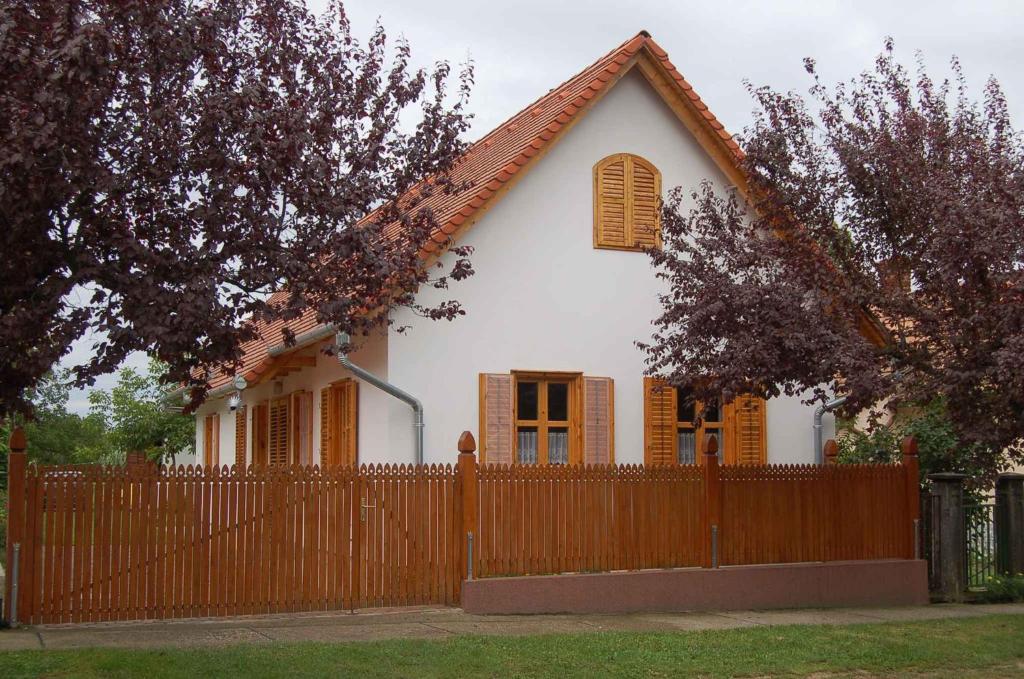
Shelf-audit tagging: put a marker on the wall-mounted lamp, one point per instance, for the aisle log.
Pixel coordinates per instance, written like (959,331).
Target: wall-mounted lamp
(235,400)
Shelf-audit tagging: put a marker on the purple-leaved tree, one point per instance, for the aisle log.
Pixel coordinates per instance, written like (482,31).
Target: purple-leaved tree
(892,197)
(165,165)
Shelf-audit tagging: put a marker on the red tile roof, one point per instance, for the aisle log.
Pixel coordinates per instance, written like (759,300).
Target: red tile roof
(490,163)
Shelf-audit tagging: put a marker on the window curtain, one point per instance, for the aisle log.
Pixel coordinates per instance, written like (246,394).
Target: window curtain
(687,444)
(558,447)
(526,447)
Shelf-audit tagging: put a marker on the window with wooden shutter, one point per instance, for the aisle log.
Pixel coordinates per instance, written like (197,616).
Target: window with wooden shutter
(627,194)
(676,426)
(539,417)
(240,425)
(277,438)
(211,440)
(546,417)
(496,418)
(339,423)
(598,420)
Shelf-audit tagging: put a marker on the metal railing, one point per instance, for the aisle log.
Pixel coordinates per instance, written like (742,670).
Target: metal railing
(980,537)
(928,547)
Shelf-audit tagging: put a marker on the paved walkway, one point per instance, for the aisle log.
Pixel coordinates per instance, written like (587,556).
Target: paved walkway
(441,623)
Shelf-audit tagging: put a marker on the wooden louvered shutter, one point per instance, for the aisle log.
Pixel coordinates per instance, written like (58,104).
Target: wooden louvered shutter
(301,428)
(240,422)
(208,440)
(216,439)
(325,428)
(659,423)
(645,193)
(211,440)
(260,433)
(496,418)
(339,423)
(277,439)
(627,191)
(347,398)
(610,209)
(598,420)
(747,431)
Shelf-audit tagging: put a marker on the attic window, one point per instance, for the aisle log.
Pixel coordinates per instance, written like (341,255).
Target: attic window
(627,197)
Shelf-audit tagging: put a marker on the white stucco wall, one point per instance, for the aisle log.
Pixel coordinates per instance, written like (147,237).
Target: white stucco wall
(790,436)
(542,298)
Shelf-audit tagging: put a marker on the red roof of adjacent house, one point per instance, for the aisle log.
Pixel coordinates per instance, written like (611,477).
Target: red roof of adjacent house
(496,159)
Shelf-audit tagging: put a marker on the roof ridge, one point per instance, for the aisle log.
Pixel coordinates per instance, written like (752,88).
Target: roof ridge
(562,85)
(490,163)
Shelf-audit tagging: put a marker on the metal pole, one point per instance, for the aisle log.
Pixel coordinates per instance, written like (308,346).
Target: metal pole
(714,546)
(469,556)
(14,583)
(917,538)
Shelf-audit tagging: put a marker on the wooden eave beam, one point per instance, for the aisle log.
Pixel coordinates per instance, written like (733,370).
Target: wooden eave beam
(298,361)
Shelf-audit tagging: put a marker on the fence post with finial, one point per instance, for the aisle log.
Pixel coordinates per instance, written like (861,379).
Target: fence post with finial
(831,451)
(468,483)
(712,503)
(16,462)
(911,469)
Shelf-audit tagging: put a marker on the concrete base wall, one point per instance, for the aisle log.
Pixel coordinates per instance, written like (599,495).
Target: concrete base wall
(802,585)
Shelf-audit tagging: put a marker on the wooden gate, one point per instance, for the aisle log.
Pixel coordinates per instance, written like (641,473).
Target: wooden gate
(141,542)
(407,549)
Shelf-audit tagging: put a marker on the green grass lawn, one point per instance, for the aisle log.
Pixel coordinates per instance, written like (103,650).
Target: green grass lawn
(990,646)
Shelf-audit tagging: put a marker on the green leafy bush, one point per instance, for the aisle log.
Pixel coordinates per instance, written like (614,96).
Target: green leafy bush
(131,415)
(1002,588)
(939,448)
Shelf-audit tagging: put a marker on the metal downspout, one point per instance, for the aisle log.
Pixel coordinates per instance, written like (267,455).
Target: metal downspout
(819,413)
(417,408)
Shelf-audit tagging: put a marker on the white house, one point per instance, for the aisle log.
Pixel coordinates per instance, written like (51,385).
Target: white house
(544,367)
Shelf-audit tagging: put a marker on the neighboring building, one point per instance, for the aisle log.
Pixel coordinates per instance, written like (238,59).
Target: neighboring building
(543,367)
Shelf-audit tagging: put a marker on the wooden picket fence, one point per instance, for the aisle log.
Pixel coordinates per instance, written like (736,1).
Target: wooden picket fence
(141,542)
(586,519)
(541,520)
(794,513)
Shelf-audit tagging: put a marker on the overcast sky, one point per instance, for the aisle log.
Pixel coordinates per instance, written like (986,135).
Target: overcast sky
(524,48)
